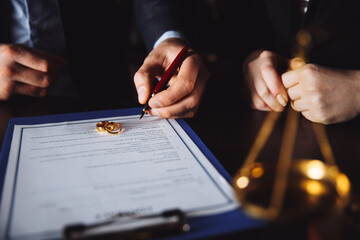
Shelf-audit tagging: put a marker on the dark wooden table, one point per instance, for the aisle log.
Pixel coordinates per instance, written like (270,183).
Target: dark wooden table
(228,127)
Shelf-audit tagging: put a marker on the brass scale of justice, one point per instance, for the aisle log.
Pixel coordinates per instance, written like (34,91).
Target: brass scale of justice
(293,188)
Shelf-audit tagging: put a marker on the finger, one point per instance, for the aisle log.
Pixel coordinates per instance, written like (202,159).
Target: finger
(187,106)
(274,83)
(35,59)
(258,103)
(299,105)
(173,111)
(295,92)
(143,85)
(184,84)
(54,63)
(32,77)
(296,63)
(290,78)
(29,90)
(265,94)
(144,76)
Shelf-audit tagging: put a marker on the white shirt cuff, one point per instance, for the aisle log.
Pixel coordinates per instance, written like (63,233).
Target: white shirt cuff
(169,34)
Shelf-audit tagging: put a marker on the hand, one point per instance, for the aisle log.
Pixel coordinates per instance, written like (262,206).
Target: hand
(27,71)
(322,94)
(182,98)
(262,75)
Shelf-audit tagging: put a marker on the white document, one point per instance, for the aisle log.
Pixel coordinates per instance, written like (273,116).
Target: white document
(68,172)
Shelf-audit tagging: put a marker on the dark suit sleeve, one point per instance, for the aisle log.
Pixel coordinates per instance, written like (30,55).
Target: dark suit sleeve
(153,18)
(4,21)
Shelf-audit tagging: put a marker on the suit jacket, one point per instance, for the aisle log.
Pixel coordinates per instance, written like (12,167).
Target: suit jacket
(154,18)
(334,26)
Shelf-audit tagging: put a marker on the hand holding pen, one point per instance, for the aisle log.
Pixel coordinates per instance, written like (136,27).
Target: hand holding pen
(181,99)
(167,76)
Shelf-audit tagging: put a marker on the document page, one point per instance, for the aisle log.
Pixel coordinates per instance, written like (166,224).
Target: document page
(68,172)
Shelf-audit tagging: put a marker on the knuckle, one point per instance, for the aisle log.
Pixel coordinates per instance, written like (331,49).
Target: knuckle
(195,59)
(267,68)
(263,93)
(311,67)
(265,54)
(7,51)
(7,72)
(45,65)
(310,71)
(45,81)
(193,102)
(188,86)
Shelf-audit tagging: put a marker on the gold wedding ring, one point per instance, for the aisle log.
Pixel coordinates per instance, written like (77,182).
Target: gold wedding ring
(113,128)
(109,127)
(100,126)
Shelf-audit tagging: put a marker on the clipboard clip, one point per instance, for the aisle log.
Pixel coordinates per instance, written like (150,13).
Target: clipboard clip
(130,227)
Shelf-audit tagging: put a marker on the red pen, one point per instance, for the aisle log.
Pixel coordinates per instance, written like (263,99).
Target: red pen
(166,77)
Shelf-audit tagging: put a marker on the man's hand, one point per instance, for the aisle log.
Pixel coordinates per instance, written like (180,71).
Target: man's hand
(182,98)
(262,74)
(27,71)
(322,94)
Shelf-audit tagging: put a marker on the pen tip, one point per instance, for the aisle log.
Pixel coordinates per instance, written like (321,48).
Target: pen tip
(146,107)
(142,114)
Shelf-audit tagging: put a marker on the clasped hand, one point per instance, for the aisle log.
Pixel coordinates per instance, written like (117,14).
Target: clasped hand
(321,94)
(27,71)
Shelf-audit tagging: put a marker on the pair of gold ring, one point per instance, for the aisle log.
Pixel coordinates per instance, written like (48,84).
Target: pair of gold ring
(109,127)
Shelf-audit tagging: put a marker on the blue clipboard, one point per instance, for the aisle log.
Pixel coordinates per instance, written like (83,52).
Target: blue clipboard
(200,227)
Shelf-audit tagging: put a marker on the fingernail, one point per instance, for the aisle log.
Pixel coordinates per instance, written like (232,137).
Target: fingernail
(156,104)
(153,112)
(141,94)
(281,100)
